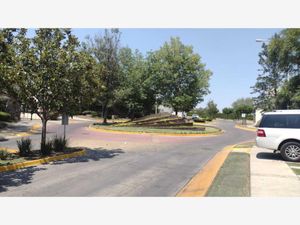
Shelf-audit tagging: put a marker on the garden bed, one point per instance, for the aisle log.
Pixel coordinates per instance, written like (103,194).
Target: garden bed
(15,158)
(163,130)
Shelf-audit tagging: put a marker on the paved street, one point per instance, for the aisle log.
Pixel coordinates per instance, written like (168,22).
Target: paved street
(119,164)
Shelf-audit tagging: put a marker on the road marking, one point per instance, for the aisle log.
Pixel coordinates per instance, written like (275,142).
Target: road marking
(245,128)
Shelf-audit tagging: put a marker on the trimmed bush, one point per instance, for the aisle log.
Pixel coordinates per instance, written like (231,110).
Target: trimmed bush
(4,154)
(47,148)
(59,144)
(24,146)
(4,116)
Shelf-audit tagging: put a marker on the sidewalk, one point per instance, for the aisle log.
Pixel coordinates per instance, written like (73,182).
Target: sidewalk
(271,176)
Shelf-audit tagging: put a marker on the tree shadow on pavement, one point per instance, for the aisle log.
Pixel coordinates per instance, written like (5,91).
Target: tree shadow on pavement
(95,154)
(17,177)
(269,156)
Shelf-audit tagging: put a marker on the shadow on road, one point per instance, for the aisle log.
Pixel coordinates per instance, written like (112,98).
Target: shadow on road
(17,177)
(269,156)
(94,154)
(24,176)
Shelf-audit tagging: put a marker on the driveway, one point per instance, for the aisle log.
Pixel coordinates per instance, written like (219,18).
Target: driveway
(119,164)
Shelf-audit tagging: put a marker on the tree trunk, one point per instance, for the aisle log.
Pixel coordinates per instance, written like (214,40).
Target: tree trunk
(44,131)
(176,112)
(104,113)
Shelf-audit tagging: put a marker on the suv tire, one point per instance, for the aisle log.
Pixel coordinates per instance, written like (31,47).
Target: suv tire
(290,151)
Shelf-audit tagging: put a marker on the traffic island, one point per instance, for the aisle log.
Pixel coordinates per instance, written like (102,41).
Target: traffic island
(17,162)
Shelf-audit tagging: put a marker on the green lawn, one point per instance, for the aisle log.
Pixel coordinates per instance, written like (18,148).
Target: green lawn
(293,167)
(11,161)
(173,130)
(233,178)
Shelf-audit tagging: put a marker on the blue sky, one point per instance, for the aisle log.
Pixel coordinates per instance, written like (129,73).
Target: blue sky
(231,54)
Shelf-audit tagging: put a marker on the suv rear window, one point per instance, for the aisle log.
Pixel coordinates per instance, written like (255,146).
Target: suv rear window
(280,121)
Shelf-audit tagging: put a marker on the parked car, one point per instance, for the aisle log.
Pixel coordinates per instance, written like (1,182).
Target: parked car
(197,118)
(280,131)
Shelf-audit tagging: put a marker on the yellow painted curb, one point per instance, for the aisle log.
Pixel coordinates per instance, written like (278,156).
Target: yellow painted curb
(159,134)
(245,128)
(41,161)
(200,183)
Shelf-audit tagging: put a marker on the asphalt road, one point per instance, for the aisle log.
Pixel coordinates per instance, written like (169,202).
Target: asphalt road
(120,165)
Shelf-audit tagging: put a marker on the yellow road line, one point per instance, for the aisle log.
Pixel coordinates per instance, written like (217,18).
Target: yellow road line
(245,128)
(41,161)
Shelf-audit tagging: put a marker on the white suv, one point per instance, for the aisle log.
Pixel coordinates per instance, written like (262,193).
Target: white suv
(280,131)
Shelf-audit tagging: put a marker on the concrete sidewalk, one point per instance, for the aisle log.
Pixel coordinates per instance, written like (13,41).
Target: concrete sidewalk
(271,176)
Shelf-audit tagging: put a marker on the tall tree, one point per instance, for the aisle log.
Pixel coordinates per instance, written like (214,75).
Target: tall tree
(105,50)
(211,109)
(178,76)
(272,76)
(132,92)
(243,105)
(49,69)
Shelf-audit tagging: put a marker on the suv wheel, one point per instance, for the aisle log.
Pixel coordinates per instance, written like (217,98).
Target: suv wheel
(290,151)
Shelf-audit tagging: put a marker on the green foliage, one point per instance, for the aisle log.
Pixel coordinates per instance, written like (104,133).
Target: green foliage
(59,144)
(4,116)
(105,49)
(211,110)
(4,155)
(24,146)
(47,147)
(280,61)
(47,73)
(178,77)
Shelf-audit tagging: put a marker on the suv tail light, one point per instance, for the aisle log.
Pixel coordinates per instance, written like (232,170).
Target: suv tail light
(261,133)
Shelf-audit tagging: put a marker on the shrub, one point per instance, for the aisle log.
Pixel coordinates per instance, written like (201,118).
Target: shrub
(4,116)
(24,146)
(59,144)
(4,154)
(47,148)
(54,116)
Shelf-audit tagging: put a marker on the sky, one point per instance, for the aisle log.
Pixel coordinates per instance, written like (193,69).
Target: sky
(231,55)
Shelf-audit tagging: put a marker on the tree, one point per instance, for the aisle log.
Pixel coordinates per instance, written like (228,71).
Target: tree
(211,109)
(132,92)
(179,78)
(243,105)
(280,60)
(272,76)
(227,111)
(49,72)
(105,50)
(289,94)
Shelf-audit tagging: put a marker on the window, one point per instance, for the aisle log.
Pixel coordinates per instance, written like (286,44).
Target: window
(280,121)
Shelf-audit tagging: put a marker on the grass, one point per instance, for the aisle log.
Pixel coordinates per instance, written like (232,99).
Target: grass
(292,165)
(233,178)
(173,130)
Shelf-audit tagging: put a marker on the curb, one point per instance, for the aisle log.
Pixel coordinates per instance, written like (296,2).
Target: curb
(201,182)
(41,161)
(245,128)
(159,134)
